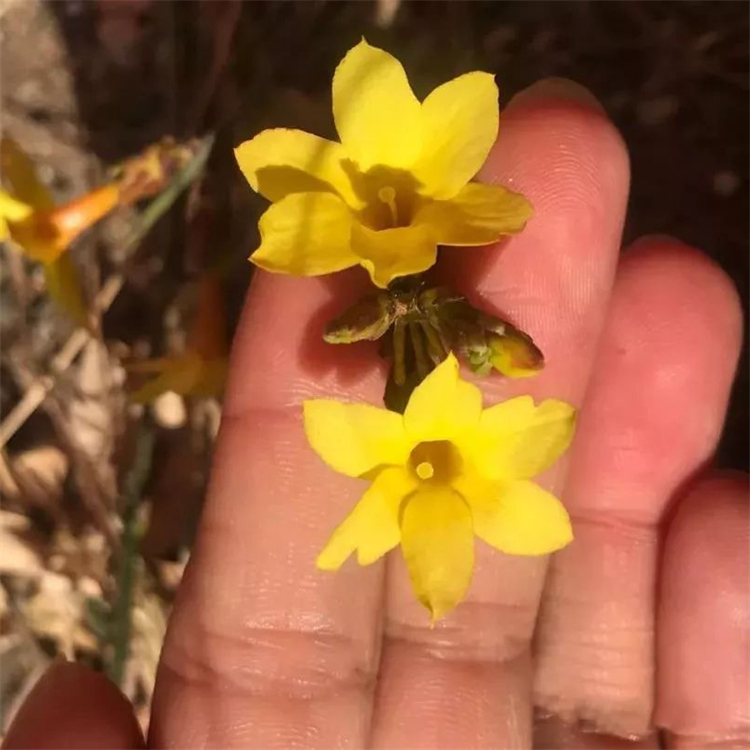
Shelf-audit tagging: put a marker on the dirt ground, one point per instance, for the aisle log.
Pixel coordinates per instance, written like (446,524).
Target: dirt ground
(86,83)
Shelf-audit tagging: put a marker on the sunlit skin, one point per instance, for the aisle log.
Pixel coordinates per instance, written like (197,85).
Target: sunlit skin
(263,650)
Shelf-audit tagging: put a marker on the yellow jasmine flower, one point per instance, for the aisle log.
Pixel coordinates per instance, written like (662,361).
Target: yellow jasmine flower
(201,370)
(441,473)
(394,188)
(30,219)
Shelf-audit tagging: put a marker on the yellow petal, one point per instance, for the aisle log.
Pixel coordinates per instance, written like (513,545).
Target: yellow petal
(442,406)
(149,366)
(64,287)
(390,253)
(279,162)
(306,234)
(213,378)
(372,527)
(179,375)
(12,209)
(377,116)
(20,176)
(355,438)
(38,238)
(438,545)
(478,215)
(517,440)
(522,519)
(460,121)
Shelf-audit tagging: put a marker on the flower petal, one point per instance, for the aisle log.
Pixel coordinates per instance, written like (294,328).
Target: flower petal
(305,234)
(437,539)
(442,406)
(19,174)
(178,374)
(64,287)
(372,527)
(377,116)
(522,519)
(517,440)
(478,215)
(12,209)
(279,162)
(390,253)
(355,438)
(460,122)
(213,378)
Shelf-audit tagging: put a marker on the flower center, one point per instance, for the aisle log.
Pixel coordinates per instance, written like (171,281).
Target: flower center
(387,195)
(436,461)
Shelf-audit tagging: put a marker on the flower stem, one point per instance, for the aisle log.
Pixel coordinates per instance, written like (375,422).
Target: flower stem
(127,573)
(435,347)
(399,352)
(420,355)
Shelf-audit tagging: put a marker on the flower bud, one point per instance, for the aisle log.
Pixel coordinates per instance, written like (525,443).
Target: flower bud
(148,173)
(514,354)
(366,320)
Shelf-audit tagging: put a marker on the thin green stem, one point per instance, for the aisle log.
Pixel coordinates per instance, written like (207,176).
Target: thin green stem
(435,347)
(164,201)
(420,354)
(399,352)
(121,617)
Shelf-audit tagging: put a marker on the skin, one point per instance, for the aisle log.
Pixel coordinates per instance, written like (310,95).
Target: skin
(642,621)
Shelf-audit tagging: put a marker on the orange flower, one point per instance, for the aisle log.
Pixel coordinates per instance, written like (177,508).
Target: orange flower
(201,369)
(30,219)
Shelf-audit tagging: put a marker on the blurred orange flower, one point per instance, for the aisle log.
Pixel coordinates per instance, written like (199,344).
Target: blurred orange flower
(202,368)
(30,220)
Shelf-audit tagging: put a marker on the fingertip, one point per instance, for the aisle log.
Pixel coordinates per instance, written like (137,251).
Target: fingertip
(562,118)
(71,706)
(556,88)
(674,264)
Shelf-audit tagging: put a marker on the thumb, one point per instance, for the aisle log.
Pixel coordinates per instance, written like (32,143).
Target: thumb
(71,706)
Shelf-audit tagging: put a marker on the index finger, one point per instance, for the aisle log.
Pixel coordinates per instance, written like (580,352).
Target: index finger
(262,649)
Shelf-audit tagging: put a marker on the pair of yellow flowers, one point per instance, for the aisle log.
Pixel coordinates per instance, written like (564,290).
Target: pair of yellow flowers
(395,187)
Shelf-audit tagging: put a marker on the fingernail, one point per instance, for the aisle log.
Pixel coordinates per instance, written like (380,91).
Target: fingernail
(558,89)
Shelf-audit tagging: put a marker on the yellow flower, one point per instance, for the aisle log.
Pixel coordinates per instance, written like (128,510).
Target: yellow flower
(30,219)
(202,369)
(394,188)
(443,472)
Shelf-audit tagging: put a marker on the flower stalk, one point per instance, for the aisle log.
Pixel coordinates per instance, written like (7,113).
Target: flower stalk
(424,324)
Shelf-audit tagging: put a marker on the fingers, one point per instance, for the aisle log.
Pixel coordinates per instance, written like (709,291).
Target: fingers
(263,649)
(704,618)
(652,416)
(465,683)
(74,707)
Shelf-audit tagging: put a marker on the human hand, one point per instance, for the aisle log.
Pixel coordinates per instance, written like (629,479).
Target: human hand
(644,615)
